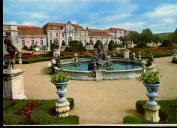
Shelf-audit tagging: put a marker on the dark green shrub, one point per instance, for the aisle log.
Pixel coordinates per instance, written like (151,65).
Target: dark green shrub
(174,60)
(166,43)
(71,101)
(135,120)
(32,47)
(75,46)
(139,106)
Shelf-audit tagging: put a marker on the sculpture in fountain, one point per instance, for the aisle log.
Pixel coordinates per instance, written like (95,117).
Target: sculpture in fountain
(99,60)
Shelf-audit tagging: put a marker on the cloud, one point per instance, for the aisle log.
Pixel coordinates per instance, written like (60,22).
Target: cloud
(34,15)
(164,10)
(11,23)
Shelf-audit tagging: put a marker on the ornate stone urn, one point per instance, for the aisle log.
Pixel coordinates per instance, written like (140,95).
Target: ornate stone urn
(62,105)
(151,93)
(151,82)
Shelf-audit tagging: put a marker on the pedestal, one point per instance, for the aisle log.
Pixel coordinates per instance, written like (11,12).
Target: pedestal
(20,61)
(56,53)
(126,54)
(98,75)
(13,87)
(151,113)
(62,109)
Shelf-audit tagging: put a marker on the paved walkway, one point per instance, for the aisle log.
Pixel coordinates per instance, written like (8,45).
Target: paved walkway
(104,102)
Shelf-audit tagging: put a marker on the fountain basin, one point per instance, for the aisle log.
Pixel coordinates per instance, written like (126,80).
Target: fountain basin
(122,69)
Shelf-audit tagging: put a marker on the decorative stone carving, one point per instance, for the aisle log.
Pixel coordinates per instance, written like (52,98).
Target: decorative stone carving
(99,60)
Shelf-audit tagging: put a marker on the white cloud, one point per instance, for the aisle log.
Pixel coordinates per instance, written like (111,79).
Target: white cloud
(11,22)
(38,15)
(29,23)
(164,10)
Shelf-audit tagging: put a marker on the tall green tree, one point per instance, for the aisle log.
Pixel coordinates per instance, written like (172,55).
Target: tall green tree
(174,37)
(155,38)
(146,36)
(98,42)
(112,45)
(134,37)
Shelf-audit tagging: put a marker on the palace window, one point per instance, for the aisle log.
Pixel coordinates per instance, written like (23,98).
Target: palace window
(32,42)
(23,43)
(41,42)
(63,34)
(57,34)
(50,35)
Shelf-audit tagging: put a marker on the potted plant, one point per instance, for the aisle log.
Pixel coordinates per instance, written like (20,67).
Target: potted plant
(151,81)
(60,80)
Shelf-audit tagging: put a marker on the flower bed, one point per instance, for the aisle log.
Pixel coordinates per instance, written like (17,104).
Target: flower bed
(34,112)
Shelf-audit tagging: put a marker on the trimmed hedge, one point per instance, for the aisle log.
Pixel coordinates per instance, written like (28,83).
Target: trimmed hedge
(45,58)
(45,114)
(40,115)
(35,59)
(134,120)
(167,113)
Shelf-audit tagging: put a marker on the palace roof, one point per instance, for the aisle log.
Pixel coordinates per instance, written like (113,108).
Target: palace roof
(115,30)
(30,30)
(98,32)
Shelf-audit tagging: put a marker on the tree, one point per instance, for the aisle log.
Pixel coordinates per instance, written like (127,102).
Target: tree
(156,38)
(134,36)
(98,42)
(75,46)
(63,43)
(166,43)
(146,36)
(112,45)
(173,37)
(124,40)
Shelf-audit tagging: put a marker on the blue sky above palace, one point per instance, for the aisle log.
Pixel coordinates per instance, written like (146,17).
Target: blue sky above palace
(158,15)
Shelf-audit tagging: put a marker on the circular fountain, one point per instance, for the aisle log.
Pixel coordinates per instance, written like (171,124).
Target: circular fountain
(99,67)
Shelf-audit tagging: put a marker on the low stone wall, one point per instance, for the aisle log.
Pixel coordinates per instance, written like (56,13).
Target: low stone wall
(106,74)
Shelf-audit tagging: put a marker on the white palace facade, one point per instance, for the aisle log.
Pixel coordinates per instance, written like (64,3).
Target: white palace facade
(25,35)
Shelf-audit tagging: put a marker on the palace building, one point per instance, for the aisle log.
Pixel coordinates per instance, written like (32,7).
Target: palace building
(26,35)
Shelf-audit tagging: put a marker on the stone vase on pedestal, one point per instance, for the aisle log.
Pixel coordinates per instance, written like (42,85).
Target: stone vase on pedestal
(151,107)
(62,104)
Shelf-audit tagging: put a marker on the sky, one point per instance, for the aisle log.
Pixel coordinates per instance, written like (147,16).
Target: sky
(158,15)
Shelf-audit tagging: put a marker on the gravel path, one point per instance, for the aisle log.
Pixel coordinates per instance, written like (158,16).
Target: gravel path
(104,102)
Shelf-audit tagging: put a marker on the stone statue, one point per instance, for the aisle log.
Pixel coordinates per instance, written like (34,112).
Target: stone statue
(11,49)
(99,60)
(150,60)
(56,44)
